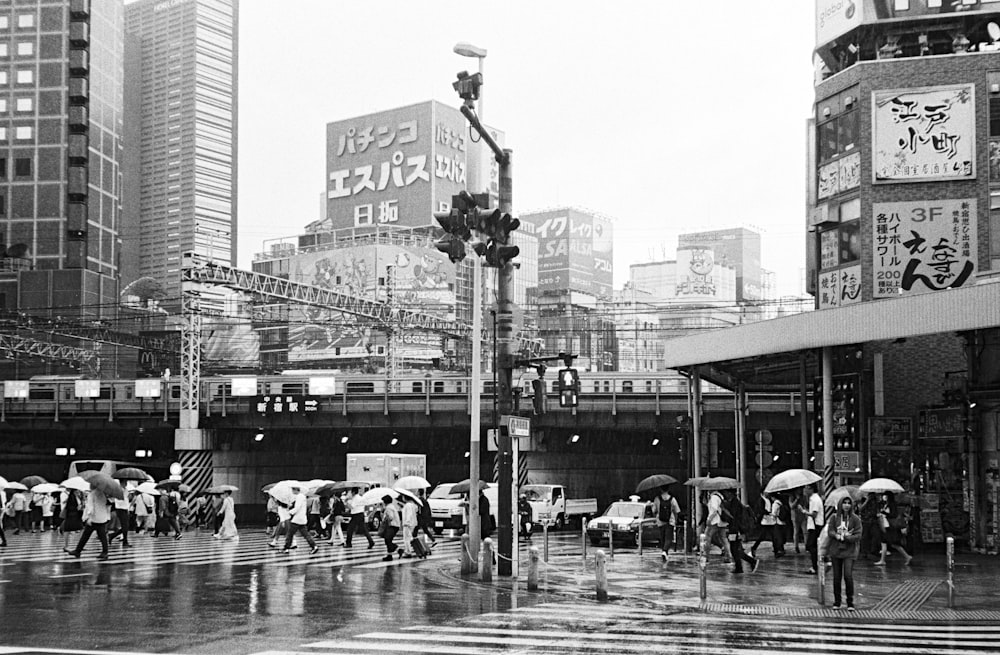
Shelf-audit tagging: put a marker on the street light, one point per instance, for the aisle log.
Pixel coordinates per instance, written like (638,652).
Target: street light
(475,422)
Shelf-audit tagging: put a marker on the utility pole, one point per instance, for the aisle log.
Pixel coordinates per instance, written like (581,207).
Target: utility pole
(505,371)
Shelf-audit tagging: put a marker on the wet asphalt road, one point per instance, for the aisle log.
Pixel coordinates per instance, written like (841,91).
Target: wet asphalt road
(199,595)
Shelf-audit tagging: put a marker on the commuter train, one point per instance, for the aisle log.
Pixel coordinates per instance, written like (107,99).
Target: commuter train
(356,384)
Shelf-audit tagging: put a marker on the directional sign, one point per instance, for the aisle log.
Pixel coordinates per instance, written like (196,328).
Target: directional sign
(517,426)
(286,404)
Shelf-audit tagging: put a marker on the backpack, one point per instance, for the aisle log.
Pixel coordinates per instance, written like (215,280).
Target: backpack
(172,505)
(742,518)
(785,513)
(666,509)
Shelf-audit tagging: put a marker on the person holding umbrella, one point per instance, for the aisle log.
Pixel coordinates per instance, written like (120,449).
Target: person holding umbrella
(357,525)
(228,529)
(891,536)
(298,520)
(96,515)
(666,509)
(390,525)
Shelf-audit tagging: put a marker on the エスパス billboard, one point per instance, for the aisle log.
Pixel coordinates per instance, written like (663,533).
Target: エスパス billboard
(395,167)
(416,279)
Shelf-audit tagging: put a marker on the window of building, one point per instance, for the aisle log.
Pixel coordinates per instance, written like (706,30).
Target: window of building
(3,50)
(4,23)
(25,77)
(25,49)
(995,230)
(838,134)
(24,104)
(3,168)
(22,167)
(3,105)
(901,5)
(3,133)
(23,132)
(26,20)
(3,78)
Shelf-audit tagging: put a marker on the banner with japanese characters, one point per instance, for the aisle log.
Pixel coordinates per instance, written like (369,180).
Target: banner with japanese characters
(923,246)
(575,250)
(840,287)
(838,176)
(924,134)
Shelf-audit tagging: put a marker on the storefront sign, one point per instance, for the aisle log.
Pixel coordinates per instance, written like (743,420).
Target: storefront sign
(947,422)
(924,134)
(840,287)
(888,432)
(923,246)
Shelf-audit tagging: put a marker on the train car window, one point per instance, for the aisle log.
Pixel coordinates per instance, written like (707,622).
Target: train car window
(418,387)
(175,391)
(105,393)
(439,386)
(360,387)
(45,393)
(293,388)
(649,386)
(459,386)
(488,386)
(626,386)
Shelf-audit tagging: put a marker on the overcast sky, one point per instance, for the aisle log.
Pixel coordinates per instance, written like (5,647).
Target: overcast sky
(668,116)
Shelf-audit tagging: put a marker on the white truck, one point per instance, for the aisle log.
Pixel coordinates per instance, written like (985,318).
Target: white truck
(549,502)
(448,509)
(384,469)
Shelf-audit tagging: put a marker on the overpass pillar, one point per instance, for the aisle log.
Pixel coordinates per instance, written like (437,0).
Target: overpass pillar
(194,448)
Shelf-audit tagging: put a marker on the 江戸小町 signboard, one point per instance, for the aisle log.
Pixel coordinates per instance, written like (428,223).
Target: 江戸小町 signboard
(923,246)
(924,134)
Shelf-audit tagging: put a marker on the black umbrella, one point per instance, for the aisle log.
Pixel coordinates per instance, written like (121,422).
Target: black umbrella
(328,489)
(107,485)
(167,484)
(347,484)
(87,475)
(655,482)
(130,473)
(464,486)
(33,481)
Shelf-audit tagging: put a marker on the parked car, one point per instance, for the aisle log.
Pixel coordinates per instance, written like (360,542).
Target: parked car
(624,517)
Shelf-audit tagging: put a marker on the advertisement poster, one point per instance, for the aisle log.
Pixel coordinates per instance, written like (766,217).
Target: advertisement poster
(420,279)
(840,287)
(838,176)
(924,134)
(923,246)
(574,251)
(395,167)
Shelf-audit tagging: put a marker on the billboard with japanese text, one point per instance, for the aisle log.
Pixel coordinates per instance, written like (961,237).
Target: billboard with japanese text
(420,279)
(737,248)
(575,251)
(838,288)
(923,246)
(924,134)
(837,17)
(702,276)
(395,167)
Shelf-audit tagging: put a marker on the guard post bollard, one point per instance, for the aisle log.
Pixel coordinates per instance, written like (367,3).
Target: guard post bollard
(640,538)
(585,521)
(950,554)
(821,582)
(545,540)
(466,556)
(487,568)
(702,566)
(601,573)
(533,568)
(611,540)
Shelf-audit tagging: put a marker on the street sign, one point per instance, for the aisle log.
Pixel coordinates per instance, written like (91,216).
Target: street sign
(286,404)
(491,441)
(517,426)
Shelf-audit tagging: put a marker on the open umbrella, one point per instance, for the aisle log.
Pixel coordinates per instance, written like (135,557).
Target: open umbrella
(86,475)
(45,488)
(464,486)
(282,491)
(328,490)
(221,489)
(3,482)
(268,487)
(713,484)
(838,494)
(411,482)
(791,479)
(879,485)
(406,493)
(167,484)
(107,485)
(130,473)
(148,488)
(374,495)
(348,484)
(15,486)
(655,482)
(77,483)
(696,481)
(33,480)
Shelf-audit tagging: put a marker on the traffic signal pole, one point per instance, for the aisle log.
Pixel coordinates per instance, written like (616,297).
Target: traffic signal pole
(505,368)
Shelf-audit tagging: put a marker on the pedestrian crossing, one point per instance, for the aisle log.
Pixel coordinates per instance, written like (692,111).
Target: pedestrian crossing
(199,548)
(574,627)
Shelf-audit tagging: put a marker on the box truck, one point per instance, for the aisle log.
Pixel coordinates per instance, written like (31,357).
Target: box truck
(384,469)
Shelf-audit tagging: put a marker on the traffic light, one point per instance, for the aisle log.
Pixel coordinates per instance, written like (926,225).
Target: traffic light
(452,246)
(498,255)
(538,399)
(467,86)
(496,227)
(569,387)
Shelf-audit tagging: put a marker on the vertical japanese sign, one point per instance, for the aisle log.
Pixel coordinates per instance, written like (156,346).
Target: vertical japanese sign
(840,287)
(923,246)
(575,251)
(395,167)
(924,134)
(838,176)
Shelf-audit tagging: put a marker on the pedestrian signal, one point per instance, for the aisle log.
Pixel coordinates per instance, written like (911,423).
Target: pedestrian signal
(569,387)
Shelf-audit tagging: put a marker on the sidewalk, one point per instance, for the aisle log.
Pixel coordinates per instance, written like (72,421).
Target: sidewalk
(783,586)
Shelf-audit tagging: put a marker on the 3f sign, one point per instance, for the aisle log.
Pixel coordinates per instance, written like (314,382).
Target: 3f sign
(930,214)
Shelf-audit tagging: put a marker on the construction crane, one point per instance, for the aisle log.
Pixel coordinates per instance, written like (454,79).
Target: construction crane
(197,269)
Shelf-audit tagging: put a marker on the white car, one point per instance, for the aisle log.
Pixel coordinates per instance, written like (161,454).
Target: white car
(624,518)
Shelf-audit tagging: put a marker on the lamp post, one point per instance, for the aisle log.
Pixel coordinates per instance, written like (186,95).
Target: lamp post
(476,384)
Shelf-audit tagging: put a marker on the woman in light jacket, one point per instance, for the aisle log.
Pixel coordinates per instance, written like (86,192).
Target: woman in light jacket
(843,537)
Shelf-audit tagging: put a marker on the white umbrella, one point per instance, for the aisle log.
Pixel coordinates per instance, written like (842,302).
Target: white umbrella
(282,491)
(3,482)
(838,494)
(77,483)
(879,485)
(374,495)
(411,482)
(406,493)
(17,486)
(148,487)
(45,488)
(791,479)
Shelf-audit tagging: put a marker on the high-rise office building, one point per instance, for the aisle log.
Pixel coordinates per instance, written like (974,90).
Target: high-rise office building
(61,126)
(181,127)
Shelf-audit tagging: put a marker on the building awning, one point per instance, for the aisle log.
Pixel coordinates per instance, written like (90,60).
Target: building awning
(767,353)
